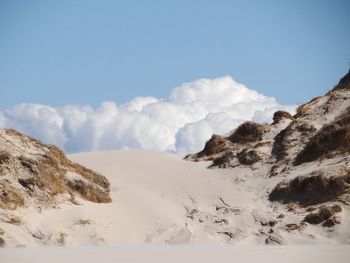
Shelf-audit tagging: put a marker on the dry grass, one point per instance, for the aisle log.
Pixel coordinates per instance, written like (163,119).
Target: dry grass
(52,175)
(331,140)
(10,197)
(61,239)
(323,213)
(306,128)
(247,132)
(84,222)
(248,157)
(344,83)
(309,190)
(223,161)
(5,158)
(29,164)
(89,192)
(43,176)
(2,242)
(280,145)
(88,174)
(280,115)
(14,220)
(216,144)
(302,109)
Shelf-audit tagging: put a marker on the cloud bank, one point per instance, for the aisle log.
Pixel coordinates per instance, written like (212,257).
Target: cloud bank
(182,123)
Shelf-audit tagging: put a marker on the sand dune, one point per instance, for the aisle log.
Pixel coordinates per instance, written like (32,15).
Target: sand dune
(155,195)
(160,198)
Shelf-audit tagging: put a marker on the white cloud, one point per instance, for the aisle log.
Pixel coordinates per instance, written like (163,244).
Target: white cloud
(181,123)
(265,115)
(138,103)
(192,137)
(40,121)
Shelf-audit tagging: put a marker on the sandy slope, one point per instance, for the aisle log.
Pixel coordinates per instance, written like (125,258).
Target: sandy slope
(183,254)
(159,198)
(152,194)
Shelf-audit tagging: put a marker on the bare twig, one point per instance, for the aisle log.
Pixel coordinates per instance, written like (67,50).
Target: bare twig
(191,198)
(222,200)
(219,221)
(229,234)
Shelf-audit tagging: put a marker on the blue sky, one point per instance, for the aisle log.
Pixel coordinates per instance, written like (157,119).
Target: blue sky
(86,52)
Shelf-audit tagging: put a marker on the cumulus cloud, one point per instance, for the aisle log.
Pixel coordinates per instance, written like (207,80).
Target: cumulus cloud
(181,123)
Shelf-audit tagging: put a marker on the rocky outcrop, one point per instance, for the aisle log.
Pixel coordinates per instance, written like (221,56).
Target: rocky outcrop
(32,172)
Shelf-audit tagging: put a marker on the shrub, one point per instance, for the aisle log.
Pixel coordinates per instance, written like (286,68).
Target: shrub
(332,139)
(280,115)
(247,132)
(215,145)
(309,190)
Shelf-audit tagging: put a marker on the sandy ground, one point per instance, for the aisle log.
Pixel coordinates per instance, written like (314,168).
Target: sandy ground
(206,215)
(159,198)
(152,193)
(183,254)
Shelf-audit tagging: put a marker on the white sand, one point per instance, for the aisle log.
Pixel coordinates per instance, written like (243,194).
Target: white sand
(176,254)
(151,192)
(160,199)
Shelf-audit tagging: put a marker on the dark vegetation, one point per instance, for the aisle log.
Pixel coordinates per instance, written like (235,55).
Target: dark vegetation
(247,132)
(216,144)
(331,140)
(309,190)
(280,115)
(248,157)
(322,214)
